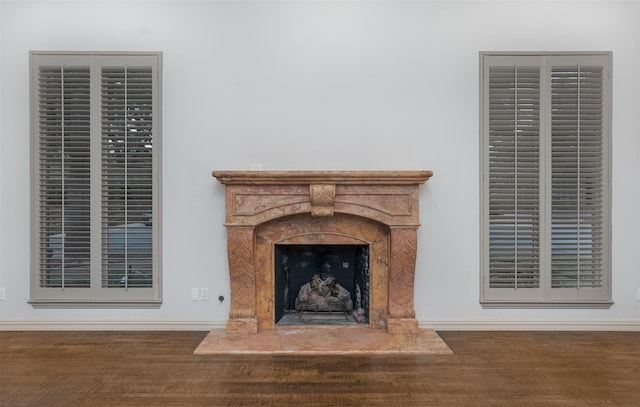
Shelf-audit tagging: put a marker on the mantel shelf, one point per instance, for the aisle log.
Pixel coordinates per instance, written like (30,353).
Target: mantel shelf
(322,177)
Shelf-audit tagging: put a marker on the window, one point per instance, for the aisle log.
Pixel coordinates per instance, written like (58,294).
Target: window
(545,206)
(95,126)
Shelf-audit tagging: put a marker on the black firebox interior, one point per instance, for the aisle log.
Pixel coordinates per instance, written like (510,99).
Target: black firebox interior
(296,264)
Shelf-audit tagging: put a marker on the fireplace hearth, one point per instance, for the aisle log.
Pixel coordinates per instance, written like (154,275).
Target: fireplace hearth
(358,228)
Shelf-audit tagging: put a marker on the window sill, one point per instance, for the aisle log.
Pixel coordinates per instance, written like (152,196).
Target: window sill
(547,304)
(49,304)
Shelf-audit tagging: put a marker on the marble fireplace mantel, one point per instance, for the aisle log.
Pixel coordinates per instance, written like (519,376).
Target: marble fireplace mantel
(376,208)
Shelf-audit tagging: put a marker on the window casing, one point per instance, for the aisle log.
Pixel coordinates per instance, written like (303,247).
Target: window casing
(96,151)
(545,176)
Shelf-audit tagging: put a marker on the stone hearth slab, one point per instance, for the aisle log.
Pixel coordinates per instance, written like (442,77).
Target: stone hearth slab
(339,341)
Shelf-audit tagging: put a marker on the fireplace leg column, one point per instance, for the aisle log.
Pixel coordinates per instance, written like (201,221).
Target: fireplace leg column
(240,247)
(402,316)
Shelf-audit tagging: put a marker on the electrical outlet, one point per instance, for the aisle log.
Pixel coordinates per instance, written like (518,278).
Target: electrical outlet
(195,294)
(3,294)
(204,294)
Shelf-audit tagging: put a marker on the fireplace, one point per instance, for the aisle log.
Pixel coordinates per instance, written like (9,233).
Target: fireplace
(369,215)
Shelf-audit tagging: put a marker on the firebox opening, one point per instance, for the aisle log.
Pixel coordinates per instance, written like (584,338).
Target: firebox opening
(321,284)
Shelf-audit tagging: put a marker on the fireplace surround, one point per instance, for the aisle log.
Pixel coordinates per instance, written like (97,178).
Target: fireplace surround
(379,209)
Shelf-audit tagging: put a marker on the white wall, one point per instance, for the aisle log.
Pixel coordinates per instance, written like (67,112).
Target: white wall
(319,85)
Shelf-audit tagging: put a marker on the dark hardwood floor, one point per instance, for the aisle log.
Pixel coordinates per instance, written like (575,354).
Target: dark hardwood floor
(158,369)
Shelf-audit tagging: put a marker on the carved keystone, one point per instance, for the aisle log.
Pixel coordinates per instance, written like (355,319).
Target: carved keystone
(322,197)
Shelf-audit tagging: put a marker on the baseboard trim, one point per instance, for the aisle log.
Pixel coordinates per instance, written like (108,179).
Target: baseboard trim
(110,325)
(438,325)
(492,325)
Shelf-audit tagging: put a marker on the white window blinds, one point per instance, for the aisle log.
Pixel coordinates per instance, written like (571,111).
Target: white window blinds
(127,181)
(96,140)
(64,163)
(514,176)
(545,204)
(577,171)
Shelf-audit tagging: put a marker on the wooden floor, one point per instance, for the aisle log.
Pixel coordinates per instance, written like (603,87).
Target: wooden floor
(159,369)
